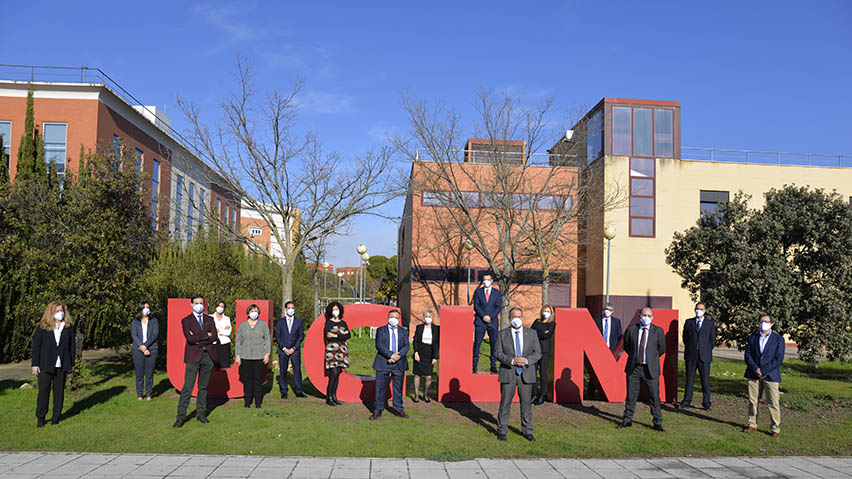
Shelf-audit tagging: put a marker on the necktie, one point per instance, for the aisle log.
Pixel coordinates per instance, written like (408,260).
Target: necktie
(518,351)
(699,324)
(201,322)
(606,331)
(393,340)
(642,346)
(487,294)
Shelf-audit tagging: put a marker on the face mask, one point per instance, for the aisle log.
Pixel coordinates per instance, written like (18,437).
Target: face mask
(220,310)
(393,321)
(59,316)
(253,315)
(487,283)
(146,311)
(764,326)
(517,323)
(545,314)
(427,320)
(699,313)
(646,320)
(607,313)
(198,308)
(291,311)
(335,313)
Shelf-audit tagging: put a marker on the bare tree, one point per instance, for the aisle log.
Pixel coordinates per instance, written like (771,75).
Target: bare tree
(303,194)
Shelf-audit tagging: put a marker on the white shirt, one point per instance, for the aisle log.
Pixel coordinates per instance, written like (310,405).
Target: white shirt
(520,332)
(427,335)
(223,329)
(144,331)
(58,326)
(644,358)
(763,340)
(394,334)
(290,323)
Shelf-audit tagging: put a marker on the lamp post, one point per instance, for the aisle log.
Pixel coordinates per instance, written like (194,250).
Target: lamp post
(364,258)
(468,245)
(325,266)
(339,282)
(362,250)
(609,234)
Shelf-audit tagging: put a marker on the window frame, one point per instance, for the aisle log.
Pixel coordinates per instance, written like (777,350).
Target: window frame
(47,150)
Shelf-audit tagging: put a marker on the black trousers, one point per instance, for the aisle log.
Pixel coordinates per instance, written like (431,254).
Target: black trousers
(283,361)
(543,367)
(396,377)
(635,378)
(251,374)
(202,369)
(479,335)
(704,372)
(144,366)
(46,382)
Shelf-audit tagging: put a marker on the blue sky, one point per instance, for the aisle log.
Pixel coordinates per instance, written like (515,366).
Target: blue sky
(759,75)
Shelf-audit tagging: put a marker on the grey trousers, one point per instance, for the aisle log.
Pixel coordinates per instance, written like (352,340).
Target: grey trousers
(635,379)
(507,392)
(203,369)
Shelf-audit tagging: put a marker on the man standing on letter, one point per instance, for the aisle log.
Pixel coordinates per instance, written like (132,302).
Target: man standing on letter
(518,350)
(610,328)
(644,344)
(199,354)
(390,364)
(699,339)
(487,303)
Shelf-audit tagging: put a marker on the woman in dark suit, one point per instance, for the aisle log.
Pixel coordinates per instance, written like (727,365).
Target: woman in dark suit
(54,348)
(144,330)
(426,347)
(544,326)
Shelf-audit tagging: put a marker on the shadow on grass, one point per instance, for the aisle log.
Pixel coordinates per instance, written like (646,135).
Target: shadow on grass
(97,397)
(462,404)
(686,412)
(7,385)
(593,411)
(161,387)
(828,372)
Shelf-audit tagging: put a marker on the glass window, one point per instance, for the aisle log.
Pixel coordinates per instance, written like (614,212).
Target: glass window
(711,201)
(255,231)
(642,227)
(178,202)
(6,133)
(233,218)
(138,155)
(642,186)
(642,124)
(189,211)
(202,206)
(621,131)
(433,198)
(54,145)
(594,138)
(640,206)
(642,167)
(663,144)
(470,198)
(155,190)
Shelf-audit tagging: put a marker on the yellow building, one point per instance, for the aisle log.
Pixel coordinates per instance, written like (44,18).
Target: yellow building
(664,188)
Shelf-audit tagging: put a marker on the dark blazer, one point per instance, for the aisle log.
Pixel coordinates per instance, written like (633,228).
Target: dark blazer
(545,333)
(654,349)
(699,344)
(491,308)
(383,352)
(153,332)
(614,330)
(45,350)
(197,340)
(436,339)
(505,353)
(289,339)
(769,362)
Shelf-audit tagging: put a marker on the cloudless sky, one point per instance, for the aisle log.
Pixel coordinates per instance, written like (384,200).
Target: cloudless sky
(755,74)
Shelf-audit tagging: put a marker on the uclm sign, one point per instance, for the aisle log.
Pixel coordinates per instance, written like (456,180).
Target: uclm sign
(577,345)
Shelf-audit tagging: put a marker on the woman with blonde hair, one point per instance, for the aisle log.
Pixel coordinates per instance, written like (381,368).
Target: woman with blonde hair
(544,326)
(252,355)
(54,347)
(426,347)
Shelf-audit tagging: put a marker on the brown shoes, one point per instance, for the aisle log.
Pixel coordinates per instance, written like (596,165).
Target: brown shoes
(750,429)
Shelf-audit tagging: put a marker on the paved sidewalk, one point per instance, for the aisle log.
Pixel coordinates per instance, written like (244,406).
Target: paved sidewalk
(68,465)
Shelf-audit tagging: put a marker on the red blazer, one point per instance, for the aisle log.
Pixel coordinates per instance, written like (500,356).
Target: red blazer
(196,339)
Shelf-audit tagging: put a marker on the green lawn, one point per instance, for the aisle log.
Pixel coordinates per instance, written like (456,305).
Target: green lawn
(105,416)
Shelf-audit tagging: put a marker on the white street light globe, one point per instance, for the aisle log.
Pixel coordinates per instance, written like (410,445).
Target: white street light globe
(340,274)
(365,257)
(325,265)
(362,248)
(609,232)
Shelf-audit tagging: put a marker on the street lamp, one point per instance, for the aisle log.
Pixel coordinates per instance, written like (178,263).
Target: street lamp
(339,282)
(362,250)
(468,245)
(609,234)
(364,258)
(325,266)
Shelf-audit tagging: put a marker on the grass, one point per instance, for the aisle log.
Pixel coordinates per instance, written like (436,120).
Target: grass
(105,416)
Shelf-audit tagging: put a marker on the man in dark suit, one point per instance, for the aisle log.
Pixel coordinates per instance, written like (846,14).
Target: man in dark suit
(610,329)
(289,334)
(518,350)
(487,303)
(390,364)
(644,344)
(699,339)
(199,330)
(764,356)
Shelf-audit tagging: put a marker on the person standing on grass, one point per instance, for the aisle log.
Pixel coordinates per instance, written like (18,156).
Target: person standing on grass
(144,331)
(198,354)
(252,355)
(518,351)
(545,327)
(54,348)
(699,339)
(390,364)
(427,344)
(289,334)
(223,331)
(764,356)
(336,333)
(644,344)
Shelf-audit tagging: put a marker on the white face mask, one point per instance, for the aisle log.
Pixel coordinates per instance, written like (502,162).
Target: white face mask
(335,313)
(607,313)
(198,308)
(517,323)
(487,283)
(291,311)
(699,313)
(146,311)
(393,321)
(59,315)
(220,309)
(253,315)
(427,320)
(545,314)
(765,326)
(645,320)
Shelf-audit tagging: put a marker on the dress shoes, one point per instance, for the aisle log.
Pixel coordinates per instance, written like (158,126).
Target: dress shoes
(202,419)
(330,401)
(415,399)
(301,395)
(707,408)
(682,405)
(336,401)
(501,437)
(283,396)
(539,401)
(426,399)
(529,437)
(659,428)
(401,414)
(624,424)
(40,422)
(494,369)
(375,415)
(179,422)
(750,429)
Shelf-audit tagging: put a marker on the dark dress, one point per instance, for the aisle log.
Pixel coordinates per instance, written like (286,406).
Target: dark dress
(427,352)
(336,351)
(545,338)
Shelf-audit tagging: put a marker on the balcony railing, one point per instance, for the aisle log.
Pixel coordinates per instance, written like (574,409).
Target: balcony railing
(720,155)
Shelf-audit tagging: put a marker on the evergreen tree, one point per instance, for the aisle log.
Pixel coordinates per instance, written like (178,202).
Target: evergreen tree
(53,178)
(4,165)
(31,164)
